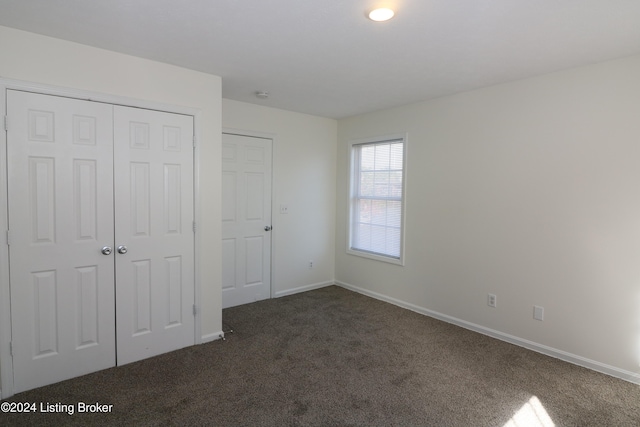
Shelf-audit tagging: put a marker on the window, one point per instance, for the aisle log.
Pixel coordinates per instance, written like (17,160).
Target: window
(376,224)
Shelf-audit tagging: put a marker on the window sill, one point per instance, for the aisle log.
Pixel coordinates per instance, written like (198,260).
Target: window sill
(376,257)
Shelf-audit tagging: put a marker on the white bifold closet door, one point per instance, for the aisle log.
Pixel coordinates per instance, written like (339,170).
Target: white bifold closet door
(153,167)
(86,179)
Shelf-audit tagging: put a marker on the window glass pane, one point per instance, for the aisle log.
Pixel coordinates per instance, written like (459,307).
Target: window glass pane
(364,237)
(393,242)
(367,157)
(394,214)
(395,184)
(396,156)
(378,239)
(382,156)
(381,184)
(367,184)
(364,212)
(379,212)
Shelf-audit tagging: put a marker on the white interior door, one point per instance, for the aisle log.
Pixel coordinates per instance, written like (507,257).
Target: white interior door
(246,219)
(60,177)
(154,221)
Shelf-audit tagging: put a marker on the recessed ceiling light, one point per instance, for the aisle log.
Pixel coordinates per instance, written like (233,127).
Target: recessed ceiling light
(381,14)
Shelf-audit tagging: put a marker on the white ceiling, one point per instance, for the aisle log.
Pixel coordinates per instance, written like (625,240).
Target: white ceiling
(326,58)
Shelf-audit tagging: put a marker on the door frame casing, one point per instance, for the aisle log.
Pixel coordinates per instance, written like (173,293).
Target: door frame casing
(6,359)
(272,137)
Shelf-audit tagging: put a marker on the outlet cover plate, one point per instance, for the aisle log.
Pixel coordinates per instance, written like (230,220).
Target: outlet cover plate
(538,312)
(492,300)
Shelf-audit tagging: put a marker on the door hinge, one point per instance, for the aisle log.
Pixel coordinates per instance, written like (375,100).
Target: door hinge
(194,141)
(195,310)
(6,122)
(8,238)
(194,226)
(11,348)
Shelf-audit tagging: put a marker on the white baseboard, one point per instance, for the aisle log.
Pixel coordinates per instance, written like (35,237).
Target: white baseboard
(303,289)
(632,377)
(211,337)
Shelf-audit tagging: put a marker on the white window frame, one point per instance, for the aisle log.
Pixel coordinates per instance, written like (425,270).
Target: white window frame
(353,199)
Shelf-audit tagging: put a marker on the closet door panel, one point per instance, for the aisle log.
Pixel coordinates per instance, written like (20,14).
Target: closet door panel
(60,176)
(154,220)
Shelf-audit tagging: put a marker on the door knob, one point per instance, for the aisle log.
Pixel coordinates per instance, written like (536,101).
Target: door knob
(267,228)
(122,249)
(106,250)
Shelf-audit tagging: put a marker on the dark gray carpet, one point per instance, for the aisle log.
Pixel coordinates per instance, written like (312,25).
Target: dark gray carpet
(331,357)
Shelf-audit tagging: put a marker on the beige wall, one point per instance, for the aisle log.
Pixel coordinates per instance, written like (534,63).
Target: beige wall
(43,60)
(304,171)
(530,191)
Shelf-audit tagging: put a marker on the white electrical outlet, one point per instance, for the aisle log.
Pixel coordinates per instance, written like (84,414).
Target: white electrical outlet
(492,300)
(538,312)
(284,209)
(310,264)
